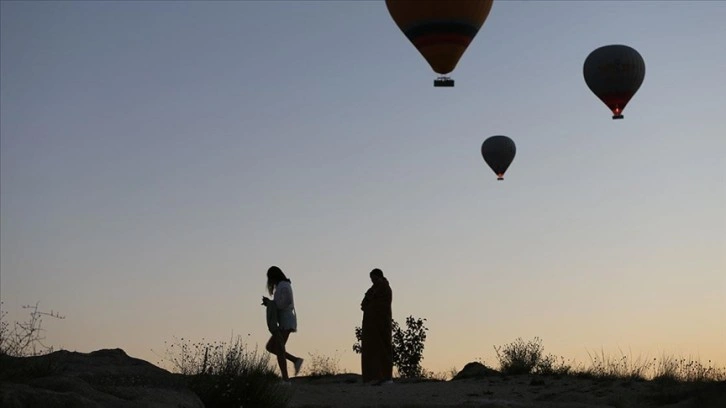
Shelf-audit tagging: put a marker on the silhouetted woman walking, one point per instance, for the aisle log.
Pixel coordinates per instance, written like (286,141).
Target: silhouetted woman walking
(283,304)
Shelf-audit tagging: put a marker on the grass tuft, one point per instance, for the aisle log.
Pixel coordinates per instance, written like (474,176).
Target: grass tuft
(318,365)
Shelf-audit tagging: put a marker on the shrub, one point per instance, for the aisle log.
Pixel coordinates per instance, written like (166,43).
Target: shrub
(519,357)
(527,357)
(227,375)
(408,346)
(670,369)
(439,375)
(551,365)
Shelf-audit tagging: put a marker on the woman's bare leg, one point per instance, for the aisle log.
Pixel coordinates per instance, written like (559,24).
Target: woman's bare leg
(276,346)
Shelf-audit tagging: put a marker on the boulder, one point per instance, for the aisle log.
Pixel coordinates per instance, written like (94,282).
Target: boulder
(475,370)
(103,378)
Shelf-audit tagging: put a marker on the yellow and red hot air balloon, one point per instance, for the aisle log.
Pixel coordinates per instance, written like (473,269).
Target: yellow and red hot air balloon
(441,30)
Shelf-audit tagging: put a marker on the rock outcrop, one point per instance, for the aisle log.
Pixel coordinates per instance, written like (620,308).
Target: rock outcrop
(103,378)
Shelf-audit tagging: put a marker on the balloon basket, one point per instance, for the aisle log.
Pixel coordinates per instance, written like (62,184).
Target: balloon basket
(617,116)
(443,82)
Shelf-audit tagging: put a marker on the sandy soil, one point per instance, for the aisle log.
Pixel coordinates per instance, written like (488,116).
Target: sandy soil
(346,390)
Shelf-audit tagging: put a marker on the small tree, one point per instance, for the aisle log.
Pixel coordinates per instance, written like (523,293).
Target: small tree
(24,339)
(408,346)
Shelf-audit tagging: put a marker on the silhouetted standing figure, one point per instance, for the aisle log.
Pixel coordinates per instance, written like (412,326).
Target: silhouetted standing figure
(376,342)
(281,319)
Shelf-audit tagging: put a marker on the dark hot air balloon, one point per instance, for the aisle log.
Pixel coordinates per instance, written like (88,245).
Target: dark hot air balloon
(498,152)
(441,30)
(614,73)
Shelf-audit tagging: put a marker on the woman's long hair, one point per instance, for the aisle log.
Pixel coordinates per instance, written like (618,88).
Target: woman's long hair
(275,276)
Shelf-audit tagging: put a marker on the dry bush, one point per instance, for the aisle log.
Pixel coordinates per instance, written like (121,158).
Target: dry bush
(318,365)
(227,374)
(527,357)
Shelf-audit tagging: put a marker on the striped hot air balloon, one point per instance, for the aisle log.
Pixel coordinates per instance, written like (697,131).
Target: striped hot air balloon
(614,74)
(441,30)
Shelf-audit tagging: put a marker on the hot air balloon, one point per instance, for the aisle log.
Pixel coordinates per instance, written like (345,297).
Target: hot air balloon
(498,152)
(614,73)
(441,30)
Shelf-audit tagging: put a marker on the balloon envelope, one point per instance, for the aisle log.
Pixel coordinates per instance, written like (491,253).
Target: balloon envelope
(498,152)
(614,74)
(441,30)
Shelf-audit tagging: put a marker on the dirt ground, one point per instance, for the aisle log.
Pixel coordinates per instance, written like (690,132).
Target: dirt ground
(347,390)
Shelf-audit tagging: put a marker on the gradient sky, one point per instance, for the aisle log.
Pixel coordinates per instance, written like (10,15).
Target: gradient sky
(157,157)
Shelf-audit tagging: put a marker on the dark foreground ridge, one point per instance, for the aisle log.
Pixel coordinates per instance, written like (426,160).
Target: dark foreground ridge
(106,378)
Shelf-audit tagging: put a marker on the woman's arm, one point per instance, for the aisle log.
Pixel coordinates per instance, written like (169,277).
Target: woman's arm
(370,294)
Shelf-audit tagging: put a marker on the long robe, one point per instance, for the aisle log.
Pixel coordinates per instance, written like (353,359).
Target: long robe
(376,342)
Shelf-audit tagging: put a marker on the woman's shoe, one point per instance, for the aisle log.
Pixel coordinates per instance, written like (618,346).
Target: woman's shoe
(298,364)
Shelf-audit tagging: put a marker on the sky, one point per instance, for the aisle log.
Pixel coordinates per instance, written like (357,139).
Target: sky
(157,157)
